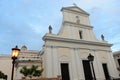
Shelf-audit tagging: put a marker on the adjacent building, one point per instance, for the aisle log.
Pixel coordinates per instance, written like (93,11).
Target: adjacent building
(117,60)
(6,65)
(27,58)
(66,53)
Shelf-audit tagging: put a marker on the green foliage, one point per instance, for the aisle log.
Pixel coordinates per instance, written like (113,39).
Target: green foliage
(2,75)
(32,71)
(24,71)
(38,73)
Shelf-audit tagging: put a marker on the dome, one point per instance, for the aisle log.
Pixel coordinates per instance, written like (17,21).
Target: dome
(24,48)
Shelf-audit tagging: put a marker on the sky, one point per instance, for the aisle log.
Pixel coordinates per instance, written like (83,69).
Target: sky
(25,22)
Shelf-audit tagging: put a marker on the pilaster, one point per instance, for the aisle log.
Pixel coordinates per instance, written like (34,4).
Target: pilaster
(112,66)
(55,62)
(73,62)
(100,74)
(48,62)
(80,72)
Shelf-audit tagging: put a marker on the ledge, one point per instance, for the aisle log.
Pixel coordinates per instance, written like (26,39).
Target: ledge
(76,41)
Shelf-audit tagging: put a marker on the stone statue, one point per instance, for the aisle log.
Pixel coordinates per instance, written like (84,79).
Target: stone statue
(50,29)
(102,37)
(77,20)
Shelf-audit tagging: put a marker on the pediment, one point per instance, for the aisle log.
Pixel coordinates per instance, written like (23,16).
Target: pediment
(75,8)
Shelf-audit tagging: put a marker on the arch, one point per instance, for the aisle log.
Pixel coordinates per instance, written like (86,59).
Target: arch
(64,58)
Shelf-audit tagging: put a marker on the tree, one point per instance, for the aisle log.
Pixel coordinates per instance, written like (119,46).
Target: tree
(24,71)
(32,71)
(3,76)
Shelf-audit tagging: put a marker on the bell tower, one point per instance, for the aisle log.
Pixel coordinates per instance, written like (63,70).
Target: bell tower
(76,24)
(75,15)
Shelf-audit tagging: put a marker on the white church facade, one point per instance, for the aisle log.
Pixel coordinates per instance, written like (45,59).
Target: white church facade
(66,53)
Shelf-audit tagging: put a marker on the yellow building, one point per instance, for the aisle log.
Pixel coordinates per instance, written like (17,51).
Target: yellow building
(66,53)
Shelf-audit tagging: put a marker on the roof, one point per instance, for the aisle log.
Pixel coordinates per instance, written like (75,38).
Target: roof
(116,53)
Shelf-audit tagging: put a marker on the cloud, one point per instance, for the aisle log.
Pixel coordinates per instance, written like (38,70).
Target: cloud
(24,22)
(37,28)
(95,3)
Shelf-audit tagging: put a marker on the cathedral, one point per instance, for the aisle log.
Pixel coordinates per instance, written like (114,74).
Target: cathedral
(73,54)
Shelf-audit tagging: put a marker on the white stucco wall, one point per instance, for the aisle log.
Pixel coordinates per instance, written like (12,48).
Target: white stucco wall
(6,65)
(67,47)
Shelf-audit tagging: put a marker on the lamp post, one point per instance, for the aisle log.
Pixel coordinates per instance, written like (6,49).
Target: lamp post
(91,59)
(15,52)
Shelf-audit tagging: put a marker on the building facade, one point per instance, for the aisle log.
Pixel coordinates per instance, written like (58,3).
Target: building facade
(6,65)
(117,60)
(66,53)
(27,58)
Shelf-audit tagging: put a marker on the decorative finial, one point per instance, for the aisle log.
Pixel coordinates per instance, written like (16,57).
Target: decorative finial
(74,4)
(50,29)
(16,46)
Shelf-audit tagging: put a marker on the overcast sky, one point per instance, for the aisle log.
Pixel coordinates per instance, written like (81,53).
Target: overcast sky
(24,22)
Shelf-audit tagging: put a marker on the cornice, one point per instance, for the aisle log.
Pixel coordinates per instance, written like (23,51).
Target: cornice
(78,25)
(116,53)
(28,61)
(78,48)
(75,41)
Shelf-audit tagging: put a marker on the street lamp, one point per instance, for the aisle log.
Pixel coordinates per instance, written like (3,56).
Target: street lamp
(91,59)
(15,52)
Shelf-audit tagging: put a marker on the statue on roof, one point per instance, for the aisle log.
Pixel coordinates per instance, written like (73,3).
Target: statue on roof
(102,37)
(50,29)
